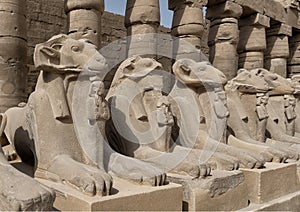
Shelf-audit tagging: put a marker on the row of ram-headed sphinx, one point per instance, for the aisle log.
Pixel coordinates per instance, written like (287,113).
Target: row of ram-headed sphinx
(147,122)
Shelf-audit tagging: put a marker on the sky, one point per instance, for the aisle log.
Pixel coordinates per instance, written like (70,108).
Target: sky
(118,7)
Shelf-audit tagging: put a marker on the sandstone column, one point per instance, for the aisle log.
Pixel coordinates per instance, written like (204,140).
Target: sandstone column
(252,43)
(277,51)
(13,53)
(142,20)
(294,59)
(84,19)
(188,26)
(224,36)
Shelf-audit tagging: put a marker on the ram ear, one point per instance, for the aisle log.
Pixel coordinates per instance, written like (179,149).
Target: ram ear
(47,54)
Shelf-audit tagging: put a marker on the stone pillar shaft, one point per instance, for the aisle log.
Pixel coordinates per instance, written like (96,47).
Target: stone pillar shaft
(142,20)
(188,26)
(13,53)
(84,19)
(252,43)
(294,58)
(224,36)
(277,52)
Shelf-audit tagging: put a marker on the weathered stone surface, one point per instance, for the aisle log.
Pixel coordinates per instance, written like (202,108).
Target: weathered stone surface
(142,15)
(294,69)
(13,54)
(175,4)
(20,192)
(150,3)
(142,29)
(251,60)
(142,44)
(225,10)
(13,49)
(277,47)
(294,58)
(224,32)
(280,29)
(268,184)
(293,18)
(81,19)
(15,7)
(224,57)
(288,202)
(187,15)
(125,196)
(277,66)
(87,4)
(221,192)
(12,24)
(255,5)
(188,47)
(84,19)
(85,24)
(252,38)
(275,10)
(190,29)
(256,19)
(194,40)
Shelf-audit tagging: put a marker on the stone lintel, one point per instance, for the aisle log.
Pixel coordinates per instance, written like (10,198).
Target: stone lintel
(255,19)
(227,9)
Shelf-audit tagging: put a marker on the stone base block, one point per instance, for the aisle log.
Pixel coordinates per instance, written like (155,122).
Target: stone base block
(126,197)
(290,202)
(274,181)
(221,191)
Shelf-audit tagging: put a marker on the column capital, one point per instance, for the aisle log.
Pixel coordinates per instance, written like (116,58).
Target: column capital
(280,29)
(176,4)
(84,4)
(254,20)
(227,9)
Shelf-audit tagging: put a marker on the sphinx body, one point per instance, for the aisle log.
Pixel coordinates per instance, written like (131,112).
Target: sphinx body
(18,191)
(248,96)
(206,83)
(43,130)
(280,107)
(141,83)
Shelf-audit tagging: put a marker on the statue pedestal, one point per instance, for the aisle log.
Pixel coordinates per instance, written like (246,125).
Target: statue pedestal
(222,191)
(290,202)
(125,196)
(275,181)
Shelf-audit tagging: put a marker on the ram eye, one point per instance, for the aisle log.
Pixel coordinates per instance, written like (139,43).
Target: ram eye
(75,48)
(185,68)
